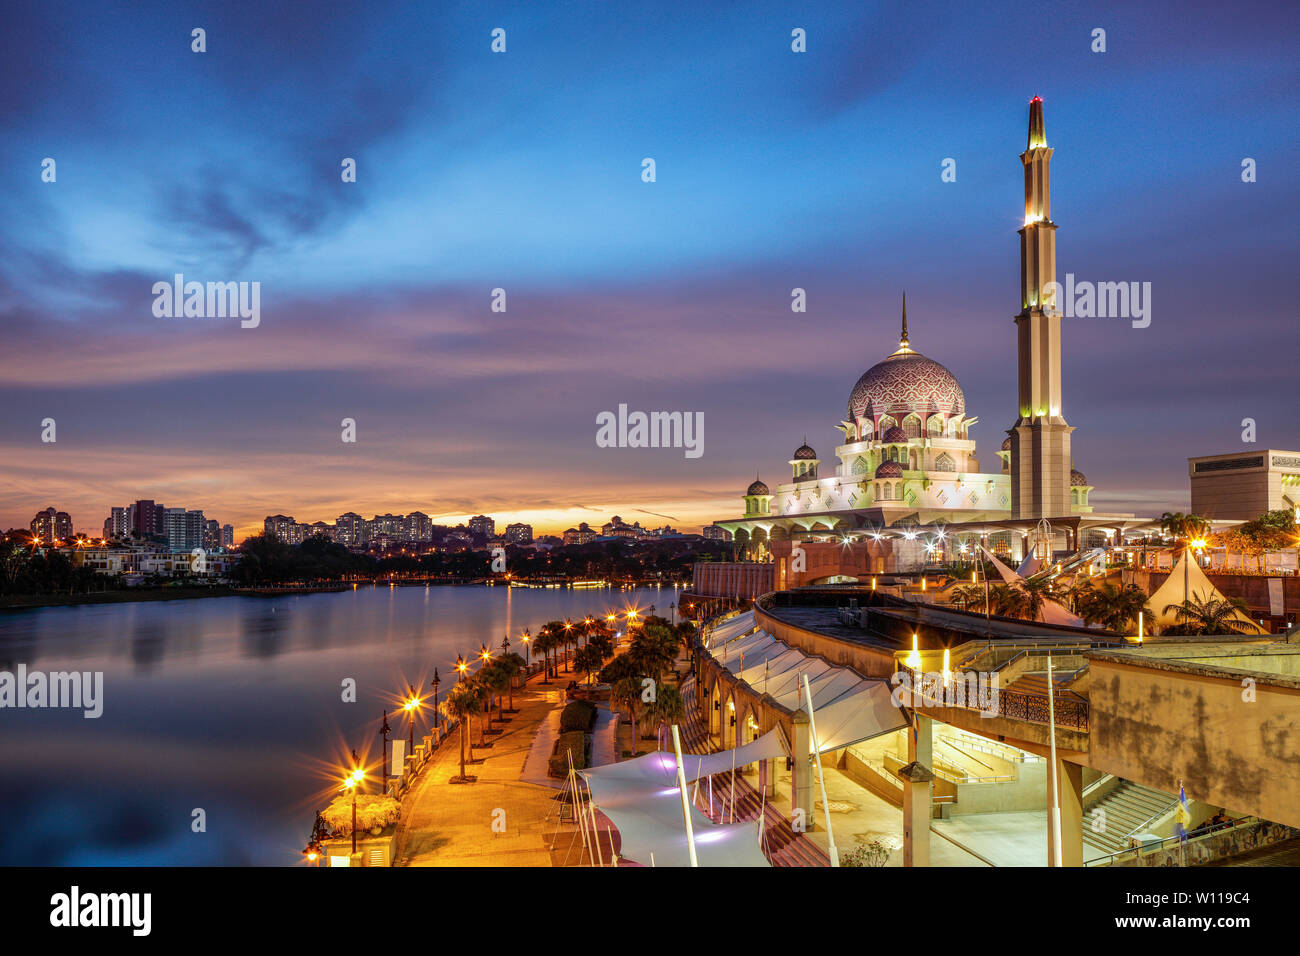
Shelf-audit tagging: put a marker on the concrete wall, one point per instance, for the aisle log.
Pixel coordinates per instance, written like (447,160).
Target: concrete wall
(1160,725)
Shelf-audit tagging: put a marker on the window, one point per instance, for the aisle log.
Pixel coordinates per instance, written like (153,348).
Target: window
(945,463)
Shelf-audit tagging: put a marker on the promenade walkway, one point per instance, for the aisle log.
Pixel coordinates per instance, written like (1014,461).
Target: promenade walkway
(448,824)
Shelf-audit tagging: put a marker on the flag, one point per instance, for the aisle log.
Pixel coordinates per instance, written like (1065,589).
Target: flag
(1184,815)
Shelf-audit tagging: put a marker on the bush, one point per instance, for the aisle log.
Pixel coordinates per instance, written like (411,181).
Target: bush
(575,741)
(578,715)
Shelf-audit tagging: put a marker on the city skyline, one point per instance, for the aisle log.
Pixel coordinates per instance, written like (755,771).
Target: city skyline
(666,295)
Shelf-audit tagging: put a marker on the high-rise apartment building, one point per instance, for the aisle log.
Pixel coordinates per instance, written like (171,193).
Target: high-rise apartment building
(51,525)
(519,533)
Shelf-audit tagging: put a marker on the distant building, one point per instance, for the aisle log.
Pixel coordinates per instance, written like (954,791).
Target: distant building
(349,528)
(115,525)
(145,517)
(714,533)
(227,535)
(318,528)
(519,533)
(482,524)
(419,527)
(1244,485)
(51,525)
(457,541)
(211,534)
(282,527)
(581,534)
(616,527)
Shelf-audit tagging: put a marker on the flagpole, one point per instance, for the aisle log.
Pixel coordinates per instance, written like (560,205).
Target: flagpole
(821,778)
(686,808)
(1054,806)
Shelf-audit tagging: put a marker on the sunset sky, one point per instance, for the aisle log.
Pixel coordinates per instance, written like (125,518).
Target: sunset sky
(522,171)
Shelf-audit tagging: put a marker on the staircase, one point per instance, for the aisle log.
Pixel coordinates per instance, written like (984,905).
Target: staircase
(782,845)
(1128,808)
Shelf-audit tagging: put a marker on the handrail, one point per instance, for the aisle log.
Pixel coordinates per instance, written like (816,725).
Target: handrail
(953,778)
(1145,849)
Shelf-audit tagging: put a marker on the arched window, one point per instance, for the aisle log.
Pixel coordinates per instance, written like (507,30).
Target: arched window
(912,426)
(889,492)
(945,463)
(886,423)
(860,465)
(934,425)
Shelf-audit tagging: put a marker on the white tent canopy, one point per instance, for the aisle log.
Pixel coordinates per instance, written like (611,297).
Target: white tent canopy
(1186,582)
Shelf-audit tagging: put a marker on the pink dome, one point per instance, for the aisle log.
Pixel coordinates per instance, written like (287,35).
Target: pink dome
(906,382)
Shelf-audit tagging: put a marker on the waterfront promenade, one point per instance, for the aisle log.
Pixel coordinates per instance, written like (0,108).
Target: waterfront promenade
(448,824)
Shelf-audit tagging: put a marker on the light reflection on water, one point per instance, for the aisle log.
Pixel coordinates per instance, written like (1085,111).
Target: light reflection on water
(232,705)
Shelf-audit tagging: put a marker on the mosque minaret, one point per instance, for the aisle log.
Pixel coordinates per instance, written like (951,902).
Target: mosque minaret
(1040,439)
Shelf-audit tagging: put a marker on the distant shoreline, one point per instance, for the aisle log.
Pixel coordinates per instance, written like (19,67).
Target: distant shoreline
(24,602)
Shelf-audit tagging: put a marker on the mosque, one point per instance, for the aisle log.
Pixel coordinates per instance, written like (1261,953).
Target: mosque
(907,482)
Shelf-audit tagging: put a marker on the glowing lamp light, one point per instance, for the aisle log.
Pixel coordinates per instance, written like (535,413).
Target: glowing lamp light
(914,659)
(873,584)
(945,667)
(1141,615)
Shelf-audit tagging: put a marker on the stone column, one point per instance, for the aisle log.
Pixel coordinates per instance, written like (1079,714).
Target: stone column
(801,780)
(918,789)
(1069,778)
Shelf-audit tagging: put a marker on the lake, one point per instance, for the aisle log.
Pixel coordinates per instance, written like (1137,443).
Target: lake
(233,706)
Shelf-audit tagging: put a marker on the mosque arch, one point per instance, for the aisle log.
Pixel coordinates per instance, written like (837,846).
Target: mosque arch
(912,425)
(886,423)
(934,425)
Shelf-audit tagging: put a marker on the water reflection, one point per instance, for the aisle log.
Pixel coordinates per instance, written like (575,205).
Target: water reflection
(228,704)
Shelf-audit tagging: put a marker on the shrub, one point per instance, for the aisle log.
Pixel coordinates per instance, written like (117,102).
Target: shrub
(578,715)
(575,741)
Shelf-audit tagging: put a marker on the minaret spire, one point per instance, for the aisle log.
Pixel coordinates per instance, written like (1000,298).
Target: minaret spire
(1040,440)
(903,341)
(1037,130)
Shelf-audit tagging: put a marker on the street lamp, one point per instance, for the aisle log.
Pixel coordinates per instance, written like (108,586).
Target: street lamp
(384,731)
(350,783)
(412,705)
(461,668)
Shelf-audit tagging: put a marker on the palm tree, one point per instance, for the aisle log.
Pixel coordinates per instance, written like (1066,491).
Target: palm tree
(668,708)
(628,691)
(513,664)
(1209,616)
(496,679)
(587,661)
(458,705)
(968,596)
(1077,593)
(542,645)
(1114,606)
(1182,528)
(479,690)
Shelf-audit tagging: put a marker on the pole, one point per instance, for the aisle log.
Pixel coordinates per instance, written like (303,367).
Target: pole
(1054,805)
(821,779)
(686,807)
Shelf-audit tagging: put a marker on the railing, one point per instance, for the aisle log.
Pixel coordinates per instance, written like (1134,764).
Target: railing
(1070,714)
(955,778)
(1153,846)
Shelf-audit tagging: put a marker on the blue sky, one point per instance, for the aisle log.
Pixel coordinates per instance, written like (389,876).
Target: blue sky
(522,171)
